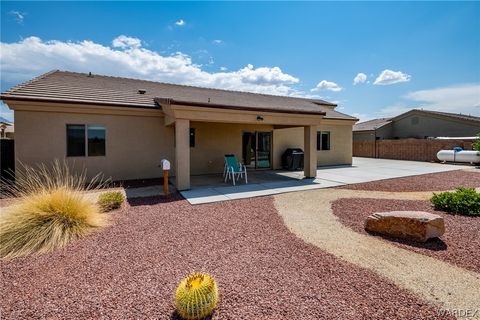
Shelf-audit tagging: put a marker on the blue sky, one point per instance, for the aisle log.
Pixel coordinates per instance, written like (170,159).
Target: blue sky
(424,54)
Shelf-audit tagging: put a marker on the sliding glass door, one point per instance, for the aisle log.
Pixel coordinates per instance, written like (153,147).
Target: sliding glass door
(264,148)
(257,149)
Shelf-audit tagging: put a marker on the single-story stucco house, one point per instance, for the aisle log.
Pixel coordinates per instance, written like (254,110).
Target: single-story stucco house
(418,124)
(124,127)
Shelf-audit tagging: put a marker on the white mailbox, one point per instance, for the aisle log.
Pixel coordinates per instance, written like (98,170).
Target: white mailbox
(165,164)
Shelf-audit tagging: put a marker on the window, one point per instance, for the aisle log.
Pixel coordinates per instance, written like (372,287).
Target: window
(85,140)
(192,137)
(75,140)
(96,141)
(323,140)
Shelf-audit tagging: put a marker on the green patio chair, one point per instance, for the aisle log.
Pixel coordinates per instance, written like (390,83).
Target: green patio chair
(233,169)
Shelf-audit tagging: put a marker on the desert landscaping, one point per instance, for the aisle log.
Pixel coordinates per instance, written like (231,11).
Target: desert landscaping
(292,255)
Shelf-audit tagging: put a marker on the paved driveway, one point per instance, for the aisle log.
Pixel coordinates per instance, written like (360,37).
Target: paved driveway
(362,170)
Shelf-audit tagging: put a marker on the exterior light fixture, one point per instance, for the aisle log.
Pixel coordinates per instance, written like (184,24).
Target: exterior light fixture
(259,118)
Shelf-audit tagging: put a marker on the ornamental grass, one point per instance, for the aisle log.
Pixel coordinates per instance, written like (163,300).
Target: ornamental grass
(52,210)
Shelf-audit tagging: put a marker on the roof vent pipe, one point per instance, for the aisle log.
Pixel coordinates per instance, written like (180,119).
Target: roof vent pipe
(90,75)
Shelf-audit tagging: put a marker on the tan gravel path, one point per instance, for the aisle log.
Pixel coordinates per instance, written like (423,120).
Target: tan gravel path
(309,215)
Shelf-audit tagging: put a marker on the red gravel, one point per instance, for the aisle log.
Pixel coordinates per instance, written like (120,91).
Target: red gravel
(460,245)
(426,182)
(131,270)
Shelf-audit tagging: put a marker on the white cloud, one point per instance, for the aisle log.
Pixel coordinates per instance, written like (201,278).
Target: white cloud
(20,61)
(359,78)
(180,23)
(223,68)
(325,85)
(19,16)
(126,42)
(463,98)
(390,77)
(217,41)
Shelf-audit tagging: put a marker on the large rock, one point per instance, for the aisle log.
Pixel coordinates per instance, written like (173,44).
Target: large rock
(413,225)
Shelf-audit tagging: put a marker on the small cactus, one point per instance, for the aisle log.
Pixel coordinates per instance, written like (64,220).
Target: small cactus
(196,296)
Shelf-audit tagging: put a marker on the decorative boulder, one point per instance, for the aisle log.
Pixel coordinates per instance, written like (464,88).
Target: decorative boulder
(413,225)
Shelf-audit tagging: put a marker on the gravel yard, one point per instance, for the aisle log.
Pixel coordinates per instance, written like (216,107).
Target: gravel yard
(460,245)
(426,182)
(131,269)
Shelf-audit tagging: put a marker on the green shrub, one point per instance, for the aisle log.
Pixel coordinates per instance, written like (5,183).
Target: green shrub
(464,201)
(476,143)
(110,200)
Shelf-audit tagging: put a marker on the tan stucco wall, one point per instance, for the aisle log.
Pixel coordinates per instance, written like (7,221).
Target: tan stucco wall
(214,140)
(134,144)
(340,144)
(432,126)
(427,126)
(136,141)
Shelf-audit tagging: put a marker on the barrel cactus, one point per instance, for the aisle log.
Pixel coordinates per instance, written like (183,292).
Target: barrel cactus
(196,296)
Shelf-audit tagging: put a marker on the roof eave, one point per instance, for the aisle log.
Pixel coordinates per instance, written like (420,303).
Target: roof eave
(234,107)
(444,115)
(362,130)
(8,97)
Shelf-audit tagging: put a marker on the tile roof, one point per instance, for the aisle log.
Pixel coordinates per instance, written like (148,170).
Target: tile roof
(451,115)
(377,123)
(64,86)
(8,127)
(371,124)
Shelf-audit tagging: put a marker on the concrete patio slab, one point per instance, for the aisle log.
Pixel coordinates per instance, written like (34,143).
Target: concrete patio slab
(214,194)
(206,195)
(274,182)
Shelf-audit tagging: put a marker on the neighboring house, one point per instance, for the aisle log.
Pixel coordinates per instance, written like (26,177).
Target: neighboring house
(6,129)
(124,127)
(420,124)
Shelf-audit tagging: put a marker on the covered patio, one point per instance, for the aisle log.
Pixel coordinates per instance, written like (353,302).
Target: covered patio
(218,129)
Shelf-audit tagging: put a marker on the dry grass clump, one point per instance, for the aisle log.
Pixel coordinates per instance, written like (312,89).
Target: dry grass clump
(52,211)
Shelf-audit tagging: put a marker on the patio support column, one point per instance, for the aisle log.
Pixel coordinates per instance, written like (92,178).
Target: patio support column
(182,153)
(310,145)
